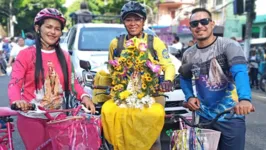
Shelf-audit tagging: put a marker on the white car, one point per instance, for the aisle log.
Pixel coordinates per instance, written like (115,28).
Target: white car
(90,42)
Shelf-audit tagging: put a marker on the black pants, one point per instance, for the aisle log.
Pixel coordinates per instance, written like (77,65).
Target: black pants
(232,131)
(254,76)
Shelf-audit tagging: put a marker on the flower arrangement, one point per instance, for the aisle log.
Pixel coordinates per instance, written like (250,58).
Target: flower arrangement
(134,76)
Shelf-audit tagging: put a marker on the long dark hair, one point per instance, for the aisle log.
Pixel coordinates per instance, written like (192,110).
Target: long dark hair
(39,71)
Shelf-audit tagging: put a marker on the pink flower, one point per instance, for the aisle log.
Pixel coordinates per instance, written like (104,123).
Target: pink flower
(143,47)
(154,68)
(114,63)
(129,43)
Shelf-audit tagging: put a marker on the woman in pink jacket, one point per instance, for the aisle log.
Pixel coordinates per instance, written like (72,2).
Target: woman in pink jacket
(42,74)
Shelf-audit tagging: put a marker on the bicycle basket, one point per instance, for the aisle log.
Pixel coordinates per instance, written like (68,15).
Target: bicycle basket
(195,139)
(74,133)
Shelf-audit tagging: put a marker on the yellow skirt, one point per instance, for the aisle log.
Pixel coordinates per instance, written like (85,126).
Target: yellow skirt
(131,128)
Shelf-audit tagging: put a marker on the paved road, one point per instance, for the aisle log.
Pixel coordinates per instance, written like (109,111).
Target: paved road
(256,122)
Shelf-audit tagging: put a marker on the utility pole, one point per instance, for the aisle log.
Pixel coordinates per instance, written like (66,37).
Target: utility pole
(248,33)
(251,15)
(11,23)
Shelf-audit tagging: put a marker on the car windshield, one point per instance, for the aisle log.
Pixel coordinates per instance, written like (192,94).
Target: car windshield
(98,38)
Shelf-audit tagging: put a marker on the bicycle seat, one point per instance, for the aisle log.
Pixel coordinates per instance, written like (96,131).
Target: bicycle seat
(6,111)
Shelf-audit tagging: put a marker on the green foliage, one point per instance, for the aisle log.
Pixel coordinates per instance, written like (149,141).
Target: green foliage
(107,8)
(26,10)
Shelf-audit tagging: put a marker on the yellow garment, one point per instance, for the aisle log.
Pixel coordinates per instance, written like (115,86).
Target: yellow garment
(234,94)
(132,129)
(162,54)
(103,79)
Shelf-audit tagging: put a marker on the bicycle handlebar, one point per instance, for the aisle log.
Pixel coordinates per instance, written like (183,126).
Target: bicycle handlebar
(201,125)
(15,107)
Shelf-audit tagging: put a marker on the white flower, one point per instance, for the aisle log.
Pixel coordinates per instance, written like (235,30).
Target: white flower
(123,106)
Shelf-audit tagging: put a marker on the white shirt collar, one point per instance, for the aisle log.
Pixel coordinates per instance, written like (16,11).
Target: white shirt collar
(48,51)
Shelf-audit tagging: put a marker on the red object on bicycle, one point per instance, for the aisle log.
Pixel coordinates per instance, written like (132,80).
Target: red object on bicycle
(79,131)
(6,128)
(75,132)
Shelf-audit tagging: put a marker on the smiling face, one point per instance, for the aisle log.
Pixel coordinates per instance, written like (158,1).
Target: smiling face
(201,25)
(134,24)
(50,31)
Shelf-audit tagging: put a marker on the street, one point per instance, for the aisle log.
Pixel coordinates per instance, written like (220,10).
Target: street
(256,122)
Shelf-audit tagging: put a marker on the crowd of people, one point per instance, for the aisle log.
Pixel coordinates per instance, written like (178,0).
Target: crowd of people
(256,65)
(9,49)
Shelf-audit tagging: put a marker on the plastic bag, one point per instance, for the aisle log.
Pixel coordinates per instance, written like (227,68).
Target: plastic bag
(102,78)
(195,139)
(132,128)
(75,133)
(8,70)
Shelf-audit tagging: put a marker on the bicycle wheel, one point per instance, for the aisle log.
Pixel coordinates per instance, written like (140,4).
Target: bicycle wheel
(263,83)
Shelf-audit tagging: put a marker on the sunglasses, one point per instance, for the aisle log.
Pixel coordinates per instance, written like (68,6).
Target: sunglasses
(204,22)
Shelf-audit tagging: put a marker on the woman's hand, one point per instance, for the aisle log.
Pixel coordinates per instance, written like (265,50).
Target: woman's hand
(23,105)
(88,103)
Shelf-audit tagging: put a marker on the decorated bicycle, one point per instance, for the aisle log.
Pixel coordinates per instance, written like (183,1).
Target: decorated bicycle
(132,119)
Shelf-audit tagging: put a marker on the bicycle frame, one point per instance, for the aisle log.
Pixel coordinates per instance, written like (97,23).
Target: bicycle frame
(6,141)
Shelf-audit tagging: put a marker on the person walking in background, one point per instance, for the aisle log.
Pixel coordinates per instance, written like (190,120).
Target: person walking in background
(29,41)
(190,43)
(178,47)
(2,60)
(254,65)
(261,54)
(15,50)
(83,15)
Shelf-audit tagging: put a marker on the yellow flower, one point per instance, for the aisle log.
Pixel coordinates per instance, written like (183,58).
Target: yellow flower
(120,86)
(124,82)
(137,61)
(140,95)
(147,75)
(118,68)
(113,82)
(141,54)
(124,95)
(121,60)
(116,88)
(149,79)
(144,86)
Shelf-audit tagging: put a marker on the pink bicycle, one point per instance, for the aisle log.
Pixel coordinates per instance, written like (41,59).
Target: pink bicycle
(79,130)
(6,128)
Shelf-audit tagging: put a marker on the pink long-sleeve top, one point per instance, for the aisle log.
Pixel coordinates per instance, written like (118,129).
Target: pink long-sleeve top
(48,95)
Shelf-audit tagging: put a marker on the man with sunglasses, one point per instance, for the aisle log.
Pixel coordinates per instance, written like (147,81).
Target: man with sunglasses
(219,68)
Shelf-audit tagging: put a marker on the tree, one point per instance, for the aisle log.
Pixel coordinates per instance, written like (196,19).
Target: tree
(26,10)
(108,7)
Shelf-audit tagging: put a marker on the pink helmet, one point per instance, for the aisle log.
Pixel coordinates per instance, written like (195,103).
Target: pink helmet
(50,13)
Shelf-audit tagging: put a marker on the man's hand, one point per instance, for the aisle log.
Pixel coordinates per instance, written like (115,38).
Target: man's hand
(166,86)
(244,107)
(88,103)
(193,104)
